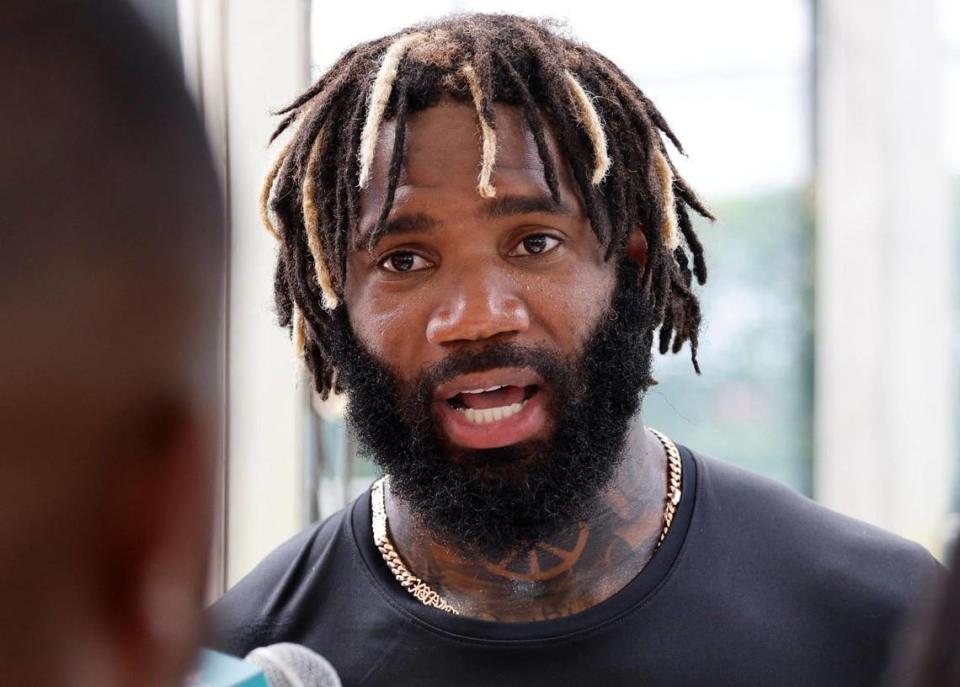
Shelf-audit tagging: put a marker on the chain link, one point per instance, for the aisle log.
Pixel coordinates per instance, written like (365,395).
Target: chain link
(413,584)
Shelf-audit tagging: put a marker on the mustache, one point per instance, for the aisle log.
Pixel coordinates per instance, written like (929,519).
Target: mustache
(551,366)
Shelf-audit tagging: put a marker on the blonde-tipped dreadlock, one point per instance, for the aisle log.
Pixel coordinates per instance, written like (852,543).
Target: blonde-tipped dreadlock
(379,97)
(671,238)
(489,135)
(311,224)
(266,189)
(299,333)
(563,89)
(591,121)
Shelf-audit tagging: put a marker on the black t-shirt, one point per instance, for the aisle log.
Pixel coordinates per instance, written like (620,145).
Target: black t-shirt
(754,585)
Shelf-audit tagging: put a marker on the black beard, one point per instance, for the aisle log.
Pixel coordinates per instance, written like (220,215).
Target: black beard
(493,502)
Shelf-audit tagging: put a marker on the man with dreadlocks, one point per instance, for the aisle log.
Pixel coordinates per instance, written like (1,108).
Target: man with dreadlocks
(480,231)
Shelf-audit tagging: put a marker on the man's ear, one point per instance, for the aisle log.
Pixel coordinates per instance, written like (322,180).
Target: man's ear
(637,248)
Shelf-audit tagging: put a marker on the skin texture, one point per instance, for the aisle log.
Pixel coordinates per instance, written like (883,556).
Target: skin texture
(453,274)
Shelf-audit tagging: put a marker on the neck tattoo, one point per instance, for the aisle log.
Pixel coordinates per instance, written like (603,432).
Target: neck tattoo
(429,597)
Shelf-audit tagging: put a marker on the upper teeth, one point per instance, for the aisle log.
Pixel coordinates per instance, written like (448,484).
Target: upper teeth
(482,391)
(481,416)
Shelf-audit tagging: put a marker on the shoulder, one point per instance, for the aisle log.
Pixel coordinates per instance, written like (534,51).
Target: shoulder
(259,608)
(774,526)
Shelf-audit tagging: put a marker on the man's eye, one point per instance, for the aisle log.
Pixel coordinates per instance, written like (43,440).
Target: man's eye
(404,262)
(535,244)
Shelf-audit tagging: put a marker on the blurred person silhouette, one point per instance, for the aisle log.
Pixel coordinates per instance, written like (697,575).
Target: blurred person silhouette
(111,264)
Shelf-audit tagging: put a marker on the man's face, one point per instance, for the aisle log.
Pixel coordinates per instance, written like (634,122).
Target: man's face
(457,272)
(492,357)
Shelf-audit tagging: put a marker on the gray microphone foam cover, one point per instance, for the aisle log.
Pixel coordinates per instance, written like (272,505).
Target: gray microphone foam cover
(294,665)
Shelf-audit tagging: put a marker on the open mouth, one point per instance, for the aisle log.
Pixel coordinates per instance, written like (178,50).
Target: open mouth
(498,402)
(492,408)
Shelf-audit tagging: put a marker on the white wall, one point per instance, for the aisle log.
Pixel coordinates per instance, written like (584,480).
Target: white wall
(266,67)
(242,60)
(884,406)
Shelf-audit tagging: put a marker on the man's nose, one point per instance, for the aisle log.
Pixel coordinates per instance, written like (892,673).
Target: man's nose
(477,306)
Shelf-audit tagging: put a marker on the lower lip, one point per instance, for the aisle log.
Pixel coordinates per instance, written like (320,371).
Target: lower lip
(519,427)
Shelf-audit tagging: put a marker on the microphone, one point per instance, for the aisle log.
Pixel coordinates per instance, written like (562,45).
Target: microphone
(293,665)
(277,665)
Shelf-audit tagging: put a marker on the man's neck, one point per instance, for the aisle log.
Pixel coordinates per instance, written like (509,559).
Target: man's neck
(576,569)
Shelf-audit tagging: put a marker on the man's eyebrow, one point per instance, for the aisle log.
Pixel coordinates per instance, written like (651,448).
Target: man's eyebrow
(506,206)
(407,224)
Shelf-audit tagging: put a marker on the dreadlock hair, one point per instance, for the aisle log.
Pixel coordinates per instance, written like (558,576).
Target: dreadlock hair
(310,197)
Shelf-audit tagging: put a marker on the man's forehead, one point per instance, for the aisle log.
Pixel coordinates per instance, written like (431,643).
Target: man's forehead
(446,137)
(444,151)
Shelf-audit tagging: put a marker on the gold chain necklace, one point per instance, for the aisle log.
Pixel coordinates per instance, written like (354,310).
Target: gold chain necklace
(428,597)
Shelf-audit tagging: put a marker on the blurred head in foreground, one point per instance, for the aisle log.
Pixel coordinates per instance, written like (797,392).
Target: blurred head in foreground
(110,287)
